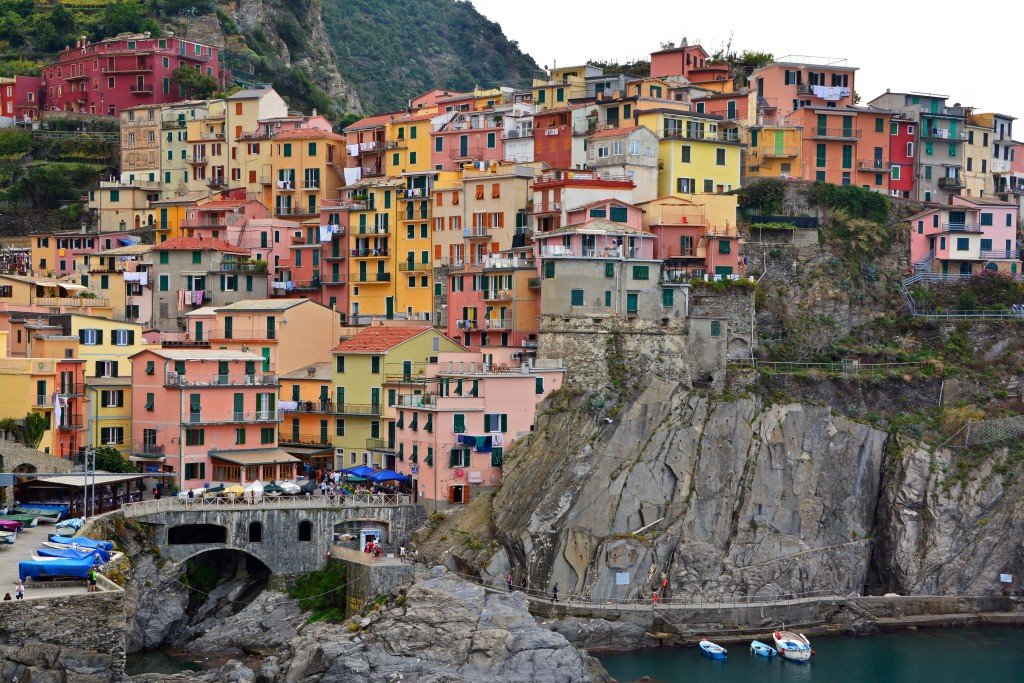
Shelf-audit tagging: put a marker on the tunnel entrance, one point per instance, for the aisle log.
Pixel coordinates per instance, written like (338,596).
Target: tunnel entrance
(222,581)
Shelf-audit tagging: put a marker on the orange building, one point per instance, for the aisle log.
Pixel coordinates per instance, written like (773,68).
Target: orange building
(845,146)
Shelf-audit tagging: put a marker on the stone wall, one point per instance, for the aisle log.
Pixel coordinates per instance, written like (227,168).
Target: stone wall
(367,580)
(14,456)
(78,638)
(280,548)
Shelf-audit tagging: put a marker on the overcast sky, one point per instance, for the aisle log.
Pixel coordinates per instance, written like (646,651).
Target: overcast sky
(974,57)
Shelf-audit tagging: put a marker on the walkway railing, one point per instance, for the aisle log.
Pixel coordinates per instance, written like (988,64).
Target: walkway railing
(913,310)
(300,502)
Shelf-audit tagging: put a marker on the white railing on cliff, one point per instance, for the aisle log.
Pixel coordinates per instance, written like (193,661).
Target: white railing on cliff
(306,502)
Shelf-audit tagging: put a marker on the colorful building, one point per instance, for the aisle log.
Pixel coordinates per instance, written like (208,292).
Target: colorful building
(775,151)
(694,238)
(795,82)
(965,237)
(563,85)
(116,73)
(556,192)
(678,61)
(455,421)
(697,153)
(845,145)
(209,415)
(630,152)
(363,363)
(307,404)
(903,156)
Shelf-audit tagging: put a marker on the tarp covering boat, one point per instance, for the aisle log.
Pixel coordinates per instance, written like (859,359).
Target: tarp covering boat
(83,542)
(72,554)
(61,567)
(27,520)
(72,523)
(10,525)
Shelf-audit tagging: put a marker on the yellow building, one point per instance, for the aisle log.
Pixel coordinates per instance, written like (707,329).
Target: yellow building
(562,85)
(110,412)
(56,295)
(175,171)
(696,152)
(305,166)
(208,149)
(124,206)
(978,178)
(363,363)
(171,211)
(104,344)
(774,152)
(372,248)
(307,400)
(410,137)
(414,295)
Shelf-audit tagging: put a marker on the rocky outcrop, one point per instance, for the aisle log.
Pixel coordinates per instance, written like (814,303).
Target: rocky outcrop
(601,634)
(441,629)
(265,624)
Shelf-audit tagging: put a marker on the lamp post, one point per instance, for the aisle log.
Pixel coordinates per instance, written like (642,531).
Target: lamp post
(89,452)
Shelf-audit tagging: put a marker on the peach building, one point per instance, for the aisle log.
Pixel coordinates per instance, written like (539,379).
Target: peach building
(452,431)
(846,145)
(209,415)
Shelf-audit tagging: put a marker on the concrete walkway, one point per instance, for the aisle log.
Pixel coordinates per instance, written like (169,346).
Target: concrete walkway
(29,540)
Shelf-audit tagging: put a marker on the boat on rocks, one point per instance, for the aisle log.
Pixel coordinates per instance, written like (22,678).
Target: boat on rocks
(793,646)
(712,650)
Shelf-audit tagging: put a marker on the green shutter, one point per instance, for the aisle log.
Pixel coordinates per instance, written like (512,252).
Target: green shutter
(667,297)
(459,423)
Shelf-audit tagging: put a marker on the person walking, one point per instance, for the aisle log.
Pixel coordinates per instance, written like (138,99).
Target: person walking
(19,591)
(508,582)
(554,593)
(93,580)
(654,599)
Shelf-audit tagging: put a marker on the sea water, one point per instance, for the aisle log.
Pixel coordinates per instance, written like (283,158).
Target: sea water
(954,655)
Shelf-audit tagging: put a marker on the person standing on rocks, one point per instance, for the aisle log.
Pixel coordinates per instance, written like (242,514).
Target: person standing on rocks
(508,582)
(554,593)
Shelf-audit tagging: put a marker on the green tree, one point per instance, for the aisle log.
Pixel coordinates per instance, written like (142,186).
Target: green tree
(45,186)
(35,426)
(125,16)
(194,83)
(111,460)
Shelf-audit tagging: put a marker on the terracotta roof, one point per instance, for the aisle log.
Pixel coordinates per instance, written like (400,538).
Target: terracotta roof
(374,121)
(308,133)
(223,204)
(199,244)
(614,132)
(378,338)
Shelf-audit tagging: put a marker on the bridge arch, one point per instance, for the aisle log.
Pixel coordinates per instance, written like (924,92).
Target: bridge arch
(254,562)
(196,532)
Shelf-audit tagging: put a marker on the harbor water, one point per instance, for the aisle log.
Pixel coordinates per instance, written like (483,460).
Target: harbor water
(954,655)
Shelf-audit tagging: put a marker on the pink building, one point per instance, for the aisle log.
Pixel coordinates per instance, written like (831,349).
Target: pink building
(902,154)
(467,136)
(126,71)
(451,437)
(555,193)
(793,83)
(334,254)
(20,97)
(965,237)
(689,242)
(210,415)
(678,61)
(57,252)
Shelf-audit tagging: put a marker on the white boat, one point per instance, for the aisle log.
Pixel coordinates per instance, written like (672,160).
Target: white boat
(254,491)
(762,649)
(713,650)
(793,646)
(8,537)
(290,488)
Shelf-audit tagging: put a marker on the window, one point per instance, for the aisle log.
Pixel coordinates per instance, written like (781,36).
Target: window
(439,144)
(339,364)
(195,470)
(685,151)
(963,243)
(112,436)
(267,435)
(495,422)
(560,95)
(724,246)
(986,219)
(895,172)
(577,297)
(255,532)
(609,270)
(339,427)
(667,297)
(641,272)
(619,214)
(240,436)
(879,125)
(91,337)
(112,398)
(459,423)
(195,437)
(720,157)
(123,337)
(305,531)
(286,149)
(375,364)
(1009,220)
(549,269)
(986,245)
(491,140)
(716,328)
(150,400)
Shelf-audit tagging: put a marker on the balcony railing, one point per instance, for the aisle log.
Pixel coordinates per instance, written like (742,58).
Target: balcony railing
(344,204)
(379,445)
(498,295)
(197,159)
(149,450)
(476,232)
(951,183)
(69,423)
(312,407)
(358,408)
(141,88)
(173,379)
(72,302)
(304,439)
(998,254)
(254,417)
(669,252)
(43,401)
(706,136)
(370,253)
(961,227)
(371,230)
(242,266)
(465,324)
(1001,166)
(414,267)
(836,133)
(942,134)
(499,324)
(370,277)
(778,152)
(874,165)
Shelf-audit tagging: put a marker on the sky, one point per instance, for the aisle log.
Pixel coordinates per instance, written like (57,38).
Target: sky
(940,47)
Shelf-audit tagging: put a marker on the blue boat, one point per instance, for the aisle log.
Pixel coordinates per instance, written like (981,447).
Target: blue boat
(58,567)
(82,542)
(759,648)
(712,650)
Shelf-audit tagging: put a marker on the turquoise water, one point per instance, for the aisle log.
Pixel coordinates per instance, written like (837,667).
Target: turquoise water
(965,655)
(160,662)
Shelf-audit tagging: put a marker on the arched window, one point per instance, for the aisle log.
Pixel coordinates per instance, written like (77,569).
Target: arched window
(305,530)
(255,532)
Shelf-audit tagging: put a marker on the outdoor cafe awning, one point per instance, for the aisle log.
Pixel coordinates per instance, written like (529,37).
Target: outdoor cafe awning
(266,456)
(77,481)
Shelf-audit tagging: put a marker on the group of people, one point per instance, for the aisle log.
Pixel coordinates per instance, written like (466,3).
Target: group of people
(332,482)
(374,548)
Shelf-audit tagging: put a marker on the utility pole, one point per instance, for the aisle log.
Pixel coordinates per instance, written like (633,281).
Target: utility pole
(89,451)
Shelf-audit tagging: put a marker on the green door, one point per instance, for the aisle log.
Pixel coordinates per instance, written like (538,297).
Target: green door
(389,303)
(406,370)
(952,131)
(780,139)
(362,271)
(239,406)
(822,124)
(463,145)
(222,371)
(375,396)
(325,394)
(847,156)
(631,302)
(41,392)
(266,359)
(847,126)
(163,219)
(199,331)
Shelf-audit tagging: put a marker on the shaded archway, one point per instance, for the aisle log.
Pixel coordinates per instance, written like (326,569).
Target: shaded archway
(222,580)
(189,534)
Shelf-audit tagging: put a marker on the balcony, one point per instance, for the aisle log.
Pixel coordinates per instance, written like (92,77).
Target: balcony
(173,379)
(217,182)
(465,324)
(70,423)
(141,88)
(344,205)
(312,407)
(304,439)
(369,253)
(149,450)
(285,185)
(1001,166)
(408,267)
(333,279)
(379,445)
(358,408)
(370,278)
(505,263)
(127,69)
(206,220)
(546,207)
(961,227)
(533,283)
(835,134)
(476,232)
(241,266)
(72,302)
(266,180)
(254,417)
(43,401)
(778,152)
(474,152)
(942,134)
(414,193)
(698,135)
(71,390)
(499,324)
(998,254)
(499,295)
(371,230)
(197,160)
(311,185)
(672,252)
(874,166)
(951,183)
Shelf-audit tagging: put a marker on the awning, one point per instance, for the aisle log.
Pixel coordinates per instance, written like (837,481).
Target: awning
(361,471)
(71,287)
(78,480)
(268,456)
(388,475)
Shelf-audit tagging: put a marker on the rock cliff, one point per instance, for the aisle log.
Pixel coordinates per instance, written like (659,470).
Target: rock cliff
(441,629)
(739,496)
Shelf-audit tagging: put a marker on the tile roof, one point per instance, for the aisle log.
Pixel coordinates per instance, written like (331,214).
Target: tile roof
(374,121)
(614,132)
(308,133)
(199,244)
(250,94)
(379,338)
(223,204)
(278,304)
(322,371)
(599,226)
(201,354)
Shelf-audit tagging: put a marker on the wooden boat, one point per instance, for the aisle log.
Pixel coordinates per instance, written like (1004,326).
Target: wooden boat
(49,516)
(762,649)
(28,520)
(793,646)
(712,650)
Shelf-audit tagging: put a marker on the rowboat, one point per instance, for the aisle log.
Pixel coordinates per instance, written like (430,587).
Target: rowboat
(8,537)
(10,525)
(712,650)
(43,515)
(793,646)
(759,648)
(28,520)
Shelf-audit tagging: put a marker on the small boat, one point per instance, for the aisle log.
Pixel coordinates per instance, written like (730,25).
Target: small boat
(11,525)
(8,537)
(254,491)
(43,515)
(712,650)
(759,648)
(793,646)
(290,488)
(65,531)
(272,490)
(28,520)
(234,491)
(213,491)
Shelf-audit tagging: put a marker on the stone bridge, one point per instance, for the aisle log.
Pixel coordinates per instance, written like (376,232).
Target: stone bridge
(289,534)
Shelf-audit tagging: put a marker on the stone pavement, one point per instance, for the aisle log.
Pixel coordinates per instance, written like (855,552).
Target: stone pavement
(29,540)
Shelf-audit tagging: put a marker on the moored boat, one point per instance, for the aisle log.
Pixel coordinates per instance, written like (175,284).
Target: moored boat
(8,537)
(28,520)
(793,646)
(712,650)
(762,649)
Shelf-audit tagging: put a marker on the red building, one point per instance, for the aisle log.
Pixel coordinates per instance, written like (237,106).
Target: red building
(678,61)
(20,97)
(902,139)
(106,77)
(552,137)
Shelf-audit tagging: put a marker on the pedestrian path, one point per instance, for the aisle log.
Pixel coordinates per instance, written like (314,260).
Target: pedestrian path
(28,542)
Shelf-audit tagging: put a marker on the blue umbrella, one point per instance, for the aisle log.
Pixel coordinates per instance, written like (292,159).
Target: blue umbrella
(388,475)
(361,471)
